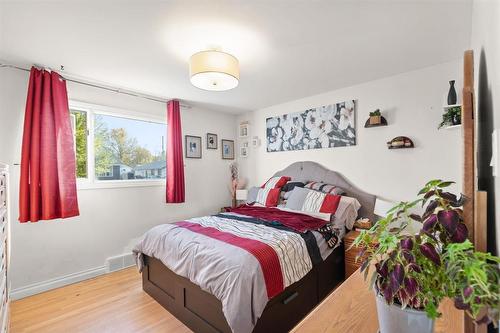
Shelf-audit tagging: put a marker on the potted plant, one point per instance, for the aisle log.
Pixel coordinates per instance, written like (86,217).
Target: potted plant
(452,116)
(375,117)
(413,273)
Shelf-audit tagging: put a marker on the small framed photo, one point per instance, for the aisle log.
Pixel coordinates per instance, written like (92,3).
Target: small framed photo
(211,141)
(193,146)
(227,149)
(255,141)
(244,129)
(244,152)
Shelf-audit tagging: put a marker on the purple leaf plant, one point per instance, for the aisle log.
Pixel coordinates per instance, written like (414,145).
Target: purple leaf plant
(420,270)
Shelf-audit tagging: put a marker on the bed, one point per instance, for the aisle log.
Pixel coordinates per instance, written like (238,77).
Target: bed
(192,298)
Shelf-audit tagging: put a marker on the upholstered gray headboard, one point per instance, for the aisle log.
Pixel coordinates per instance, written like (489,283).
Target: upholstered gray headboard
(312,171)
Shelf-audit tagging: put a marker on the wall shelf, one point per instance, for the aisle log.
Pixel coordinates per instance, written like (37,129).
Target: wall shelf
(408,143)
(446,107)
(401,147)
(383,122)
(451,127)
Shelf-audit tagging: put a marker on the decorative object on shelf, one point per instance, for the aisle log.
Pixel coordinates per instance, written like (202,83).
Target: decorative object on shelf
(375,117)
(193,146)
(400,142)
(214,70)
(244,130)
(451,117)
(255,142)
(236,183)
(363,223)
(414,273)
(452,94)
(211,141)
(322,127)
(227,149)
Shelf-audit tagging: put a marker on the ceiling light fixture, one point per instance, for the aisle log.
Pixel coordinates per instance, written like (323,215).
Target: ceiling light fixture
(214,70)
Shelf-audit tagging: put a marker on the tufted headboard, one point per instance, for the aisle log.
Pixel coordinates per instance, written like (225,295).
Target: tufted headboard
(312,171)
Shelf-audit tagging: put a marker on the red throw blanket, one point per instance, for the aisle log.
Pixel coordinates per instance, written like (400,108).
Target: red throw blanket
(296,221)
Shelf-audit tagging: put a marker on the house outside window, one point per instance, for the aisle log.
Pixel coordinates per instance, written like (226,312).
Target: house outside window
(117,148)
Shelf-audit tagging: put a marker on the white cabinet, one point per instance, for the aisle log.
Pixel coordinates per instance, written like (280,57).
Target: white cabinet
(4,247)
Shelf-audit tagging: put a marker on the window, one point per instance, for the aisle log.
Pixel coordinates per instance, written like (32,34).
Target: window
(79,126)
(130,148)
(117,147)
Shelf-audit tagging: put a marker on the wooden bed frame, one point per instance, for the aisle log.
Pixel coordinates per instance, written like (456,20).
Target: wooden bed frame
(202,312)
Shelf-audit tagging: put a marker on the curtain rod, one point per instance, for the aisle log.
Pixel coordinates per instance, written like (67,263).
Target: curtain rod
(100,86)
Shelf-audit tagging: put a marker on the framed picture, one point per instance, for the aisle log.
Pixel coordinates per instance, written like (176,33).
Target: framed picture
(227,149)
(244,129)
(211,141)
(328,126)
(255,141)
(193,146)
(243,151)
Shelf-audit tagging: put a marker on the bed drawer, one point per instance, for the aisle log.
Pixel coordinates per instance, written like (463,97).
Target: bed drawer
(295,302)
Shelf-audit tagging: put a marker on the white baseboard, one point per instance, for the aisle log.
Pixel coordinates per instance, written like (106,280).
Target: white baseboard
(58,282)
(112,264)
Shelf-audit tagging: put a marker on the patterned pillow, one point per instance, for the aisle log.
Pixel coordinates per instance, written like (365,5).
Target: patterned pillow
(313,201)
(276,182)
(325,188)
(268,197)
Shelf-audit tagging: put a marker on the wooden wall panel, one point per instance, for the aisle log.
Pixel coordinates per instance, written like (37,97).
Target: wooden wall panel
(469,180)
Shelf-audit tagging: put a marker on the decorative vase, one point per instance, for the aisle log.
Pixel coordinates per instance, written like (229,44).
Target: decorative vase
(394,319)
(452,94)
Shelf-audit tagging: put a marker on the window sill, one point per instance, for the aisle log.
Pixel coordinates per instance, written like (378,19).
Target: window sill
(118,184)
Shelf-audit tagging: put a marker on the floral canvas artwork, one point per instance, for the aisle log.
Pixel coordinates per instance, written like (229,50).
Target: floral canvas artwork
(327,126)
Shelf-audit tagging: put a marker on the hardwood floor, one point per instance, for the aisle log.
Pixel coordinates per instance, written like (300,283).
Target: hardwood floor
(111,303)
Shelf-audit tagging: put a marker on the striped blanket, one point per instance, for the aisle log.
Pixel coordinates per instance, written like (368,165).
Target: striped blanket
(241,259)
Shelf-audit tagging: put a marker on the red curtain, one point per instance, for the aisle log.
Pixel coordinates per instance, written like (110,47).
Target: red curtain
(175,163)
(48,175)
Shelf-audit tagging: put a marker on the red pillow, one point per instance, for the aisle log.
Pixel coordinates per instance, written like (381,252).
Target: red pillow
(276,182)
(330,203)
(268,197)
(315,201)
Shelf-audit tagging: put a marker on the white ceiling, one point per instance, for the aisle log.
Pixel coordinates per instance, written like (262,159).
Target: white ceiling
(287,49)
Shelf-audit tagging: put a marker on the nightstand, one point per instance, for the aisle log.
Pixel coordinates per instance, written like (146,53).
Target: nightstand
(350,254)
(225,209)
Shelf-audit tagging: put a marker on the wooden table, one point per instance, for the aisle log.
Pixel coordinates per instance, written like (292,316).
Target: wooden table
(351,308)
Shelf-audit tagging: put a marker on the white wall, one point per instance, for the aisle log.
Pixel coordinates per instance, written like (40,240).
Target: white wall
(486,45)
(110,218)
(412,103)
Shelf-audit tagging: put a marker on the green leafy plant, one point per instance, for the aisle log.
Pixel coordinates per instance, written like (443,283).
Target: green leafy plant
(375,113)
(452,116)
(420,270)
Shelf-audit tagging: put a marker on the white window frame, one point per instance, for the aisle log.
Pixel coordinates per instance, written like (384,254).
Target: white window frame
(91,182)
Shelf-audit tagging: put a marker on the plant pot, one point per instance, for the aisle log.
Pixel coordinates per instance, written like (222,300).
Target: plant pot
(394,319)
(375,120)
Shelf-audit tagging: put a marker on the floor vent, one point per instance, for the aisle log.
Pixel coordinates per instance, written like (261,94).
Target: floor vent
(119,262)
